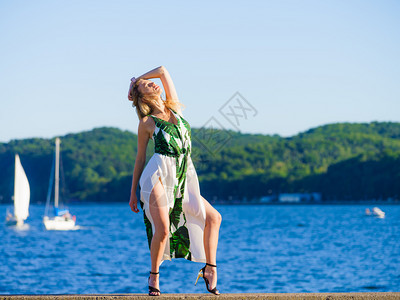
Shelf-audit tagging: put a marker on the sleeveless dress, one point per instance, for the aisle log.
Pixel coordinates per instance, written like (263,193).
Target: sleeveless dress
(172,164)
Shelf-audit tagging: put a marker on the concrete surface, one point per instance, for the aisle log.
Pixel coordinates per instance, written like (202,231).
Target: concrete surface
(269,296)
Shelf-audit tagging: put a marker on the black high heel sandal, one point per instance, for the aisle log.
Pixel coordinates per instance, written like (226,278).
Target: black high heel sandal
(153,289)
(201,274)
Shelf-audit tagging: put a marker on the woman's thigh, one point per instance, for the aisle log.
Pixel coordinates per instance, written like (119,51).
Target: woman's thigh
(158,208)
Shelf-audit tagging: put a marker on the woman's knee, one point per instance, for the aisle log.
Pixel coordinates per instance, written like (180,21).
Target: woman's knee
(162,232)
(214,218)
(219,218)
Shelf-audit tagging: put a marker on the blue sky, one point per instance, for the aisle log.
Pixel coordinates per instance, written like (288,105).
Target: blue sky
(66,65)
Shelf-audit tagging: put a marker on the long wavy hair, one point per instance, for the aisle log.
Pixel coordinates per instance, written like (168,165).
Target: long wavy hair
(143,108)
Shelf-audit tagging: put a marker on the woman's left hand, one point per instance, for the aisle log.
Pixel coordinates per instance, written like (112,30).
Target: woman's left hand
(133,203)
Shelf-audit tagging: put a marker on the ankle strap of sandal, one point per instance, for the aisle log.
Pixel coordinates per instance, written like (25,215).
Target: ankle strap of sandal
(211,265)
(154,273)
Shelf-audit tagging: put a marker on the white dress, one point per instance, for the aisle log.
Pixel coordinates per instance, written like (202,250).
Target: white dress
(172,164)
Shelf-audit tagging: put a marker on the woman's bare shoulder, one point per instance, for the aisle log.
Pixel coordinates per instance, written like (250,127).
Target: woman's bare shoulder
(145,119)
(146,124)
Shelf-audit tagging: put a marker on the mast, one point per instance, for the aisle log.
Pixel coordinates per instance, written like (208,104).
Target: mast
(57,171)
(15,182)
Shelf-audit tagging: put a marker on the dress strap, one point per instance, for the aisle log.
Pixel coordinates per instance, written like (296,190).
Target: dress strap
(176,114)
(172,111)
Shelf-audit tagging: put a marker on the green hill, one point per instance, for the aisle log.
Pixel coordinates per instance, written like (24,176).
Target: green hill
(344,161)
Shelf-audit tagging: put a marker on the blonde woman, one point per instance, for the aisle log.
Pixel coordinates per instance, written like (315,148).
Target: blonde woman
(179,222)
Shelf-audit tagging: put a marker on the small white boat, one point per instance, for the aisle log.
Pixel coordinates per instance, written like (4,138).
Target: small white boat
(21,197)
(59,223)
(376,211)
(62,219)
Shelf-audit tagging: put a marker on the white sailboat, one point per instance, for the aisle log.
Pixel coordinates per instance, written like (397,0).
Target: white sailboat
(21,197)
(378,212)
(62,219)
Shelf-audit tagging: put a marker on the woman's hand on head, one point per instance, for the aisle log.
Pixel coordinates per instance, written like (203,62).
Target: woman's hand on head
(130,91)
(133,203)
(133,80)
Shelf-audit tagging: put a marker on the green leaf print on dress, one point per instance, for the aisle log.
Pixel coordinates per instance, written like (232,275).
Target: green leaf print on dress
(147,223)
(179,243)
(175,214)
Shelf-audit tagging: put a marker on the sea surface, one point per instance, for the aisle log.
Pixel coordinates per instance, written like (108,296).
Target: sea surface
(262,248)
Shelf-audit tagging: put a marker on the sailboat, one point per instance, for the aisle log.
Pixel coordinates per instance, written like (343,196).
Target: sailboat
(376,211)
(62,219)
(21,197)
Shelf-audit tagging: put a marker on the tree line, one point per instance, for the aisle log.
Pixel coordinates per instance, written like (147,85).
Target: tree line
(342,161)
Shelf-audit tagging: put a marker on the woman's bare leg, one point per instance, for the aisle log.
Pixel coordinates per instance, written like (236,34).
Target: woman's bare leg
(159,213)
(211,232)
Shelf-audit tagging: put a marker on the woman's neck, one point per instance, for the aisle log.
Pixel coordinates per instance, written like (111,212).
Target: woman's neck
(159,107)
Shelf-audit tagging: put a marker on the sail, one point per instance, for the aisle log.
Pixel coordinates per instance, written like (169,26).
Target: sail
(21,191)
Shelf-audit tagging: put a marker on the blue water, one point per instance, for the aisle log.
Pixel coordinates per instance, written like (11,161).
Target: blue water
(299,248)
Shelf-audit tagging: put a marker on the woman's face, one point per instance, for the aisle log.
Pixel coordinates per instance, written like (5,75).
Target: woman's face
(149,88)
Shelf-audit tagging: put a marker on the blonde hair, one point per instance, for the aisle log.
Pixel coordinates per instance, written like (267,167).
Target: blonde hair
(144,109)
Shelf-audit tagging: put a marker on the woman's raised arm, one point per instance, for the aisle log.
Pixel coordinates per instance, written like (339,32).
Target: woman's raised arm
(169,87)
(168,84)
(155,73)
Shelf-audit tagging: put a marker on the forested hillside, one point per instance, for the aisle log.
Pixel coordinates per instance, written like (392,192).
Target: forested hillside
(341,161)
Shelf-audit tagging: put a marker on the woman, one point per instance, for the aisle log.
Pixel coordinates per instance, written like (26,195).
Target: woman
(179,222)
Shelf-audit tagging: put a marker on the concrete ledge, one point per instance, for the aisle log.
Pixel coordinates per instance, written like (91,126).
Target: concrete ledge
(269,296)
